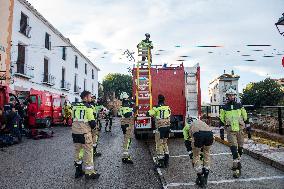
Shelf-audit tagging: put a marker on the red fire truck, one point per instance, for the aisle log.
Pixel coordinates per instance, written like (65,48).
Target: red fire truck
(181,87)
(45,108)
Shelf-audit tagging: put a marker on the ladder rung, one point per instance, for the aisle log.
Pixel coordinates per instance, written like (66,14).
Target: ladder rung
(144,104)
(143,92)
(142,62)
(142,54)
(143,98)
(143,71)
(143,85)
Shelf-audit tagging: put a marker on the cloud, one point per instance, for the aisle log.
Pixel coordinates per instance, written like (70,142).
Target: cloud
(111,25)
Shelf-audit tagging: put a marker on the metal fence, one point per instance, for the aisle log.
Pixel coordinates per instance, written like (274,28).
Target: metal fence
(266,118)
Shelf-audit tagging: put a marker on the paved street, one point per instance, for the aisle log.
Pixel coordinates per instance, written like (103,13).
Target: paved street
(49,164)
(255,174)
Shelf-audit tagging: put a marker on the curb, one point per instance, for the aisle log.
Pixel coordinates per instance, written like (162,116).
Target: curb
(256,155)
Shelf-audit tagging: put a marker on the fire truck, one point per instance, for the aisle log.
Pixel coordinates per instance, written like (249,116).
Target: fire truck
(180,85)
(45,108)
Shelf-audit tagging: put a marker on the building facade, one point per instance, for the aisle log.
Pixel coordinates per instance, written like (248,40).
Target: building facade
(218,88)
(43,59)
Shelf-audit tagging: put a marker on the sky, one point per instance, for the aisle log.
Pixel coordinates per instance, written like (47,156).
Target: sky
(104,29)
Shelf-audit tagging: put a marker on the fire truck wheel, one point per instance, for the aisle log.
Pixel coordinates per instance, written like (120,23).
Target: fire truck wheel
(48,123)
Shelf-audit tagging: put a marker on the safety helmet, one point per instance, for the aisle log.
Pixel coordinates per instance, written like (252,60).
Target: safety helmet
(147,35)
(124,95)
(161,98)
(231,91)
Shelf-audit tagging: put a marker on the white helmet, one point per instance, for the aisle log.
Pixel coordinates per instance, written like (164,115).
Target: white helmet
(231,91)
(124,95)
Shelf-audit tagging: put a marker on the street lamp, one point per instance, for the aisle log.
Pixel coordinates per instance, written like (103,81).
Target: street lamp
(280,23)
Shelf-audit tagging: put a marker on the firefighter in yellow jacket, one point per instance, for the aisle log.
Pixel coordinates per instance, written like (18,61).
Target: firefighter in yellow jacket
(234,118)
(127,125)
(201,140)
(161,114)
(83,123)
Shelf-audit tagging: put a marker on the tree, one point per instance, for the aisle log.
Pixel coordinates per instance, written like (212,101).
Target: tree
(117,83)
(264,93)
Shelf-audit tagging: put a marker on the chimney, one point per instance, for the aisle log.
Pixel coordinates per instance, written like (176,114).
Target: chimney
(233,73)
(224,71)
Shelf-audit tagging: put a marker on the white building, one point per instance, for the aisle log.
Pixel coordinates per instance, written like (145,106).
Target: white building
(218,88)
(43,59)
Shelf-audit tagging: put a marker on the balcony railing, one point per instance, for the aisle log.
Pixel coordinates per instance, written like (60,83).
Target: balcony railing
(26,30)
(25,71)
(48,79)
(77,89)
(65,85)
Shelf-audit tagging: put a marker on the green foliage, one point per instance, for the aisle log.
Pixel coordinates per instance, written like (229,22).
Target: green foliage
(117,83)
(264,93)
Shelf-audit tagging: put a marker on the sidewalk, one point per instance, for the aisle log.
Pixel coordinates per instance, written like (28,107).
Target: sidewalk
(270,155)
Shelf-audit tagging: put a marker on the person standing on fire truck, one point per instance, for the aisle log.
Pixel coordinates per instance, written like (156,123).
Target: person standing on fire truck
(145,44)
(234,118)
(162,114)
(83,123)
(127,125)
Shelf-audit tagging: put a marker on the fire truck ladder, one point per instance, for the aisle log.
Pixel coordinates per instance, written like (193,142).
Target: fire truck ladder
(143,82)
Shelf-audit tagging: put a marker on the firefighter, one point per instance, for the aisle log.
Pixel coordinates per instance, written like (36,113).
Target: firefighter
(127,115)
(202,138)
(99,107)
(234,118)
(161,114)
(186,136)
(67,110)
(146,44)
(96,130)
(84,122)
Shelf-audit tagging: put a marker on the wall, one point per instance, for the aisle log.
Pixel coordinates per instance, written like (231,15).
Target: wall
(36,52)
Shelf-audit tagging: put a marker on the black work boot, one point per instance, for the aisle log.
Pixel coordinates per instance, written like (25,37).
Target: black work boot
(161,163)
(239,167)
(79,170)
(127,160)
(200,180)
(236,173)
(205,173)
(166,159)
(96,154)
(92,176)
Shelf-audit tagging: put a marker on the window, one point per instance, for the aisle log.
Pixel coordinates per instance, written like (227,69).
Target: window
(214,97)
(93,76)
(75,82)
(24,26)
(76,61)
(85,84)
(33,99)
(64,53)
(63,78)
(86,69)
(47,41)
(57,102)
(45,70)
(21,59)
